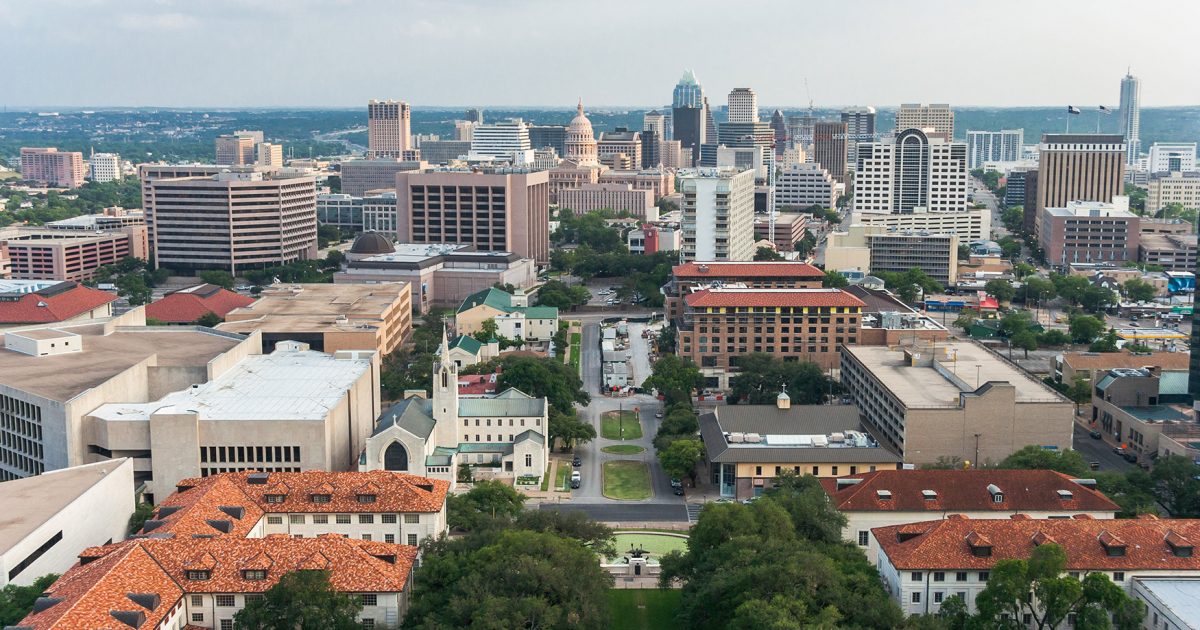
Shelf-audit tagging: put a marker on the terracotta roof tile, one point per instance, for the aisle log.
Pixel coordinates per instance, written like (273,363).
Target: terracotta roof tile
(771,297)
(776,269)
(965,491)
(942,544)
(185,307)
(1113,360)
(35,308)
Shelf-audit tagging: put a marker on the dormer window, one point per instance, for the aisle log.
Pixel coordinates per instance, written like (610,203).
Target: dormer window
(254,575)
(1180,546)
(199,575)
(366,498)
(320,498)
(883,495)
(1066,495)
(980,546)
(929,495)
(274,498)
(996,492)
(1113,547)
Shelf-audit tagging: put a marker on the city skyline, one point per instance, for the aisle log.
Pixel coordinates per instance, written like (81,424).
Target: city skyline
(191,49)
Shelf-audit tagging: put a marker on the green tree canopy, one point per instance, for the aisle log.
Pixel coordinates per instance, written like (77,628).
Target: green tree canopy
(569,428)
(555,293)
(680,458)
(834,280)
(1085,328)
(544,377)
(301,600)
(1033,457)
(1138,290)
(17,601)
(762,376)
(1000,289)
(483,503)
(674,377)
(219,277)
(767,253)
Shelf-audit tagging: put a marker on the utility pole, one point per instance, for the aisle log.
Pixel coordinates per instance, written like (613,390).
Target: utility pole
(977,448)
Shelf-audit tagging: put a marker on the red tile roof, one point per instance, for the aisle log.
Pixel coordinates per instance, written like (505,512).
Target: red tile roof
(773,269)
(188,305)
(943,544)
(771,297)
(203,506)
(965,491)
(60,305)
(155,570)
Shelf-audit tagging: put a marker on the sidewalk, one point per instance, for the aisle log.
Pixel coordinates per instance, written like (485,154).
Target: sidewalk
(535,495)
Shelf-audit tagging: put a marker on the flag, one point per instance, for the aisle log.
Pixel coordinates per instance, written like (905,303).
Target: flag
(1071,109)
(1105,110)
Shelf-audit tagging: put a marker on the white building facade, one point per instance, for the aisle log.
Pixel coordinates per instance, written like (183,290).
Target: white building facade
(717,214)
(915,170)
(993,146)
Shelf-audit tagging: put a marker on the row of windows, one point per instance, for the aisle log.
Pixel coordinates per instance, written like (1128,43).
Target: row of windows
(241,454)
(344,519)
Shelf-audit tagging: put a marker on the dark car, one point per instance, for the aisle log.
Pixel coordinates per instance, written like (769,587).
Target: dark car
(1094,465)
(676,483)
(1095,435)
(678,491)
(576,462)
(1130,457)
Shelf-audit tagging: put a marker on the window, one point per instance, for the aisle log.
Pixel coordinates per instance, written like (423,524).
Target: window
(1074,575)
(529,459)
(758,471)
(342,519)
(366,537)
(916,597)
(368,599)
(984,575)
(225,601)
(961,595)
(998,497)
(388,519)
(274,498)
(197,600)
(815,469)
(367,624)
(252,597)
(296,519)
(320,519)
(961,576)
(198,617)
(864,538)
(412,519)
(274,520)
(226,624)
(937,597)
(939,576)
(199,576)
(916,576)
(321,498)
(1119,576)
(835,471)
(389,538)
(366,519)
(254,575)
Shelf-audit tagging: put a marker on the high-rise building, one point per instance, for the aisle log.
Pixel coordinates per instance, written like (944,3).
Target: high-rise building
(234,220)
(671,154)
(389,131)
(360,176)
(237,149)
(1172,157)
(503,140)
(52,167)
(802,185)
(651,154)
(553,136)
(718,214)
(1078,167)
(105,167)
(689,130)
(1089,232)
(653,120)
(910,172)
(829,147)
(500,212)
(475,115)
(938,117)
(743,106)
(688,92)
(993,146)
(580,142)
(748,135)
(800,128)
(860,126)
(779,125)
(710,124)
(268,154)
(1131,116)
(621,142)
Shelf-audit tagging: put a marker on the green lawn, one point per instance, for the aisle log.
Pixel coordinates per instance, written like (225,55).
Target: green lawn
(576,338)
(643,609)
(611,425)
(623,449)
(628,480)
(546,481)
(657,544)
(562,478)
(576,350)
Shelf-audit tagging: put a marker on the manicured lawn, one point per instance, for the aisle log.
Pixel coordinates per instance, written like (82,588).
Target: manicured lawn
(623,449)
(576,338)
(576,350)
(643,609)
(611,424)
(562,478)
(657,544)
(626,480)
(546,481)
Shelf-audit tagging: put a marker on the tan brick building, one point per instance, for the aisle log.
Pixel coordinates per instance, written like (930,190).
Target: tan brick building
(694,276)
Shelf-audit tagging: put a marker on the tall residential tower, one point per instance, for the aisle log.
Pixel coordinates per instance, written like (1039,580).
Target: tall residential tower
(1131,112)
(388,131)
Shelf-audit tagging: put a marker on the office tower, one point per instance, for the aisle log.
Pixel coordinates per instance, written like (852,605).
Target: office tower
(718,214)
(443,151)
(492,212)
(654,121)
(621,142)
(580,142)
(688,92)
(1171,187)
(938,117)
(912,172)
(553,136)
(800,186)
(743,106)
(710,125)
(1131,116)
(689,130)
(104,167)
(360,176)
(651,155)
(268,155)
(463,130)
(503,140)
(52,167)
(474,115)
(1090,231)
(800,128)
(1172,157)
(993,146)
(388,129)
(779,125)
(746,135)
(860,126)
(1014,186)
(237,149)
(668,115)
(1078,167)
(232,220)
(829,147)
(671,154)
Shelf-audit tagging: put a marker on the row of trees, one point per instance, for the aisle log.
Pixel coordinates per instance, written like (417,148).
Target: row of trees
(90,198)
(677,440)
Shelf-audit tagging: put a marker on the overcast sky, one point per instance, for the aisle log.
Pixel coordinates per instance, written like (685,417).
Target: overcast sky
(238,53)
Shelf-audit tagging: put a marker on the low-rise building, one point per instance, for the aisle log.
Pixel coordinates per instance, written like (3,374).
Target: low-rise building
(968,225)
(614,197)
(1126,404)
(1090,231)
(31,302)
(513,317)
(650,238)
(952,402)
(658,180)
(874,248)
(1170,603)
(748,446)
(789,229)
(52,516)
(61,252)
(895,497)
(329,317)
(1172,367)
(201,582)
(1174,252)
(694,276)
(886,321)
(185,306)
(924,564)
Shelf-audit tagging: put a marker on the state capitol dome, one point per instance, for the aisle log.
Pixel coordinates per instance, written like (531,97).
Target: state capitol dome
(580,143)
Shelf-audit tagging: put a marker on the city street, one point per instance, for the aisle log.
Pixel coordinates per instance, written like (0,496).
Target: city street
(1098,451)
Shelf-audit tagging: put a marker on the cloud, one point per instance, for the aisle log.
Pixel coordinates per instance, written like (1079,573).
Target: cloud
(156,22)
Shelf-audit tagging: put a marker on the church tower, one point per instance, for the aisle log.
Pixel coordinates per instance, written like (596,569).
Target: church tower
(445,397)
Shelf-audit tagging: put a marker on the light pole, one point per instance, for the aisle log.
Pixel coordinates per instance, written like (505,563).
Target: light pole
(977,448)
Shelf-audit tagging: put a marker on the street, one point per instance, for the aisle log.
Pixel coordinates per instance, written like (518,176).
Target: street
(1098,451)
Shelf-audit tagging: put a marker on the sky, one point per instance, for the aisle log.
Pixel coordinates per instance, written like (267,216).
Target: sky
(314,53)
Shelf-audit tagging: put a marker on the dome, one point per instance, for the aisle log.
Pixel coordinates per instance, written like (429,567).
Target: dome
(370,243)
(580,123)
(580,142)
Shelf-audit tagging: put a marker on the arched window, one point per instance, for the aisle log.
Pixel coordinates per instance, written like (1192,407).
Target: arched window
(395,458)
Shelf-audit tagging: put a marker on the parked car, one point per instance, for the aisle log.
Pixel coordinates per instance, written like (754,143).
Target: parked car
(678,491)
(576,479)
(1119,450)
(1094,465)
(676,483)
(658,414)
(1130,457)
(576,462)
(1095,435)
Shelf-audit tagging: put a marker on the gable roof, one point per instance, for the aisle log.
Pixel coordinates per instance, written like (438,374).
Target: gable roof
(466,343)
(490,296)
(511,402)
(411,414)
(56,303)
(187,305)
(943,544)
(964,491)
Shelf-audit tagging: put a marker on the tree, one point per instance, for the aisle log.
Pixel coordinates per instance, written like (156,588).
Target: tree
(208,320)
(680,458)
(569,428)
(487,501)
(133,288)
(674,377)
(762,377)
(1107,343)
(767,253)
(910,284)
(1035,289)
(1016,322)
(966,319)
(328,235)
(1132,491)
(805,245)
(834,280)
(1009,247)
(1138,290)
(1053,337)
(1070,288)
(1080,393)
(1013,218)
(1033,457)
(555,293)
(1096,299)
(1025,340)
(1023,270)
(140,514)
(301,600)
(1176,486)
(17,601)
(1137,198)
(1000,289)
(219,277)
(1085,328)
(488,330)
(544,377)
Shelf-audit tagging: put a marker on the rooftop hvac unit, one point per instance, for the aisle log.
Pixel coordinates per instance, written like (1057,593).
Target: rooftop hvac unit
(737,438)
(753,438)
(820,440)
(837,437)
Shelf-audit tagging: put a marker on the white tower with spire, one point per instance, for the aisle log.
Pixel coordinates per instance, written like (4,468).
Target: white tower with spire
(445,396)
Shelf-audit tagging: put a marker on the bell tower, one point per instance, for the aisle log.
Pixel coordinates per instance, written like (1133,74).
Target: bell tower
(445,397)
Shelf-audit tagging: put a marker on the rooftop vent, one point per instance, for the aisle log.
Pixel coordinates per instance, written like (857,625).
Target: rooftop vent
(883,495)
(131,618)
(149,601)
(235,511)
(1066,495)
(930,495)
(42,603)
(222,526)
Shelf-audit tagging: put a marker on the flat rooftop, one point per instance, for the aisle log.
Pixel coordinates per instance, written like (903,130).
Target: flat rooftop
(925,387)
(30,502)
(62,377)
(283,385)
(1180,596)
(298,307)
